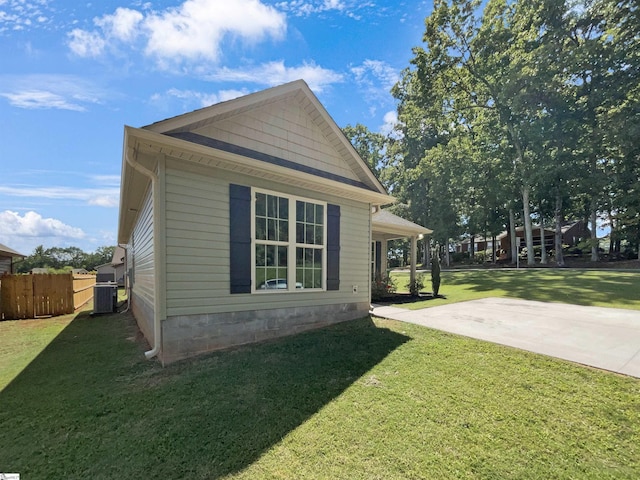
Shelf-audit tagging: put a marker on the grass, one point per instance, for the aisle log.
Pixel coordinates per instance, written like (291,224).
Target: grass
(602,288)
(369,399)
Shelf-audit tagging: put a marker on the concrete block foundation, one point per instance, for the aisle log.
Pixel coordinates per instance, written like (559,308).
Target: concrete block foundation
(189,335)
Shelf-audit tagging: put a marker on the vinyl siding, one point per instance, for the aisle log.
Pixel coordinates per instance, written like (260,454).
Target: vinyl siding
(197,246)
(142,253)
(5,265)
(285,131)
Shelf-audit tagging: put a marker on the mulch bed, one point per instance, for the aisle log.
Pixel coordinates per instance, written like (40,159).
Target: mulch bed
(405,298)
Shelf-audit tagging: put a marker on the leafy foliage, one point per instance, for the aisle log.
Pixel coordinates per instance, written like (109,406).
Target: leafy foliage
(523,110)
(58,258)
(382,287)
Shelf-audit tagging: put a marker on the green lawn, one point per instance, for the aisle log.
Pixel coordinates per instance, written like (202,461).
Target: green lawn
(361,400)
(602,288)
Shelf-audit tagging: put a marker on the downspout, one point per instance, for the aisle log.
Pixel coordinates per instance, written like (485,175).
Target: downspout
(157,340)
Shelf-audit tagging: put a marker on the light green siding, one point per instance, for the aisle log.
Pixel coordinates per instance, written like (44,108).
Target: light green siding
(287,132)
(197,246)
(142,267)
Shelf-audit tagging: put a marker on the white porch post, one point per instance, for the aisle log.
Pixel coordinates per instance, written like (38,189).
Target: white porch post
(384,251)
(414,250)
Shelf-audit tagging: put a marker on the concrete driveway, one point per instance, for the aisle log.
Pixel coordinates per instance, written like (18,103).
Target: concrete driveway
(606,338)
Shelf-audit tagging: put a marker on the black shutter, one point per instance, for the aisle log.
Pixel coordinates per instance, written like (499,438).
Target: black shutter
(333,247)
(379,259)
(240,238)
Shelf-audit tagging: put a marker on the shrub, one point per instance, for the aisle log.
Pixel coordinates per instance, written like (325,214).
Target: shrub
(416,285)
(435,271)
(459,257)
(382,287)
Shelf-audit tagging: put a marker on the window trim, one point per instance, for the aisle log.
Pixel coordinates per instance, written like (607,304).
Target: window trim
(292,244)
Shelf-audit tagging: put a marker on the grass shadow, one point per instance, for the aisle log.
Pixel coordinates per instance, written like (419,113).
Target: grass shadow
(90,406)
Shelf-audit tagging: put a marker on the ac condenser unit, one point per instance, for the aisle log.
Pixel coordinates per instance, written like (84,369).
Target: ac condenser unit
(104,297)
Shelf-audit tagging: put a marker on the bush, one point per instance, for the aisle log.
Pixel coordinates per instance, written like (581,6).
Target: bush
(382,287)
(416,285)
(480,257)
(459,257)
(435,271)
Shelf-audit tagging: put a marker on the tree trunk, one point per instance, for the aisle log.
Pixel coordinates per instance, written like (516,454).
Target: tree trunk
(528,229)
(493,247)
(543,243)
(558,236)
(446,254)
(512,235)
(427,255)
(472,247)
(594,231)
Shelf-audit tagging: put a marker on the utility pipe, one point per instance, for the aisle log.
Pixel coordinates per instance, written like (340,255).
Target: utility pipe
(127,282)
(157,338)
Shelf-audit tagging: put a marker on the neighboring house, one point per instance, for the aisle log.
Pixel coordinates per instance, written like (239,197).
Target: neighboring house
(114,270)
(246,220)
(39,270)
(572,234)
(8,258)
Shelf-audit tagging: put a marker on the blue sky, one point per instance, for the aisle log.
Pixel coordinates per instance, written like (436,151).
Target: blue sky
(73,74)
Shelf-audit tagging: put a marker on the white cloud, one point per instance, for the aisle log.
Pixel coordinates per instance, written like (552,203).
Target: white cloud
(305,8)
(202,99)
(376,76)
(191,32)
(110,180)
(38,99)
(23,14)
(122,25)
(86,44)
(103,197)
(276,73)
(375,80)
(64,92)
(390,120)
(32,224)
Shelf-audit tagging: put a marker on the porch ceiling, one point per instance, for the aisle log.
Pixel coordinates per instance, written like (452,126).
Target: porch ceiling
(387,226)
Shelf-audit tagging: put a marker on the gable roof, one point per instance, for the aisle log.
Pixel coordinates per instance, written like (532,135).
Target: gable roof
(181,138)
(9,252)
(298,90)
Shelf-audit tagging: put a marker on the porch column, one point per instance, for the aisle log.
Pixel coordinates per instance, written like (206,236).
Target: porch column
(414,251)
(384,252)
(427,251)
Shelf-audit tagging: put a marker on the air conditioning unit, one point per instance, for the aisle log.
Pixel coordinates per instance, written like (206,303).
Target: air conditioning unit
(105,297)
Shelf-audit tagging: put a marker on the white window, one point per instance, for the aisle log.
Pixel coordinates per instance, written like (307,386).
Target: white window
(289,242)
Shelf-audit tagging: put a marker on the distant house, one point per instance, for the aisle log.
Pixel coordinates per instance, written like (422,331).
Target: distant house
(114,270)
(572,234)
(243,221)
(8,258)
(39,270)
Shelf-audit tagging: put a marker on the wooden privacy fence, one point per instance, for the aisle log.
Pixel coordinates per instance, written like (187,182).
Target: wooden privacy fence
(43,295)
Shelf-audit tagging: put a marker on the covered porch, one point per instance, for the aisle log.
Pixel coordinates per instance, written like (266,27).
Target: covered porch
(386,226)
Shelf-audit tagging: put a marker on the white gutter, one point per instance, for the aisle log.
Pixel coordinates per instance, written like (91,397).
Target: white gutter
(157,337)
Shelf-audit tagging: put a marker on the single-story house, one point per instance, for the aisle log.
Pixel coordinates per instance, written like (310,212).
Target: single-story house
(114,271)
(8,258)
(246,220)
(572,234)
